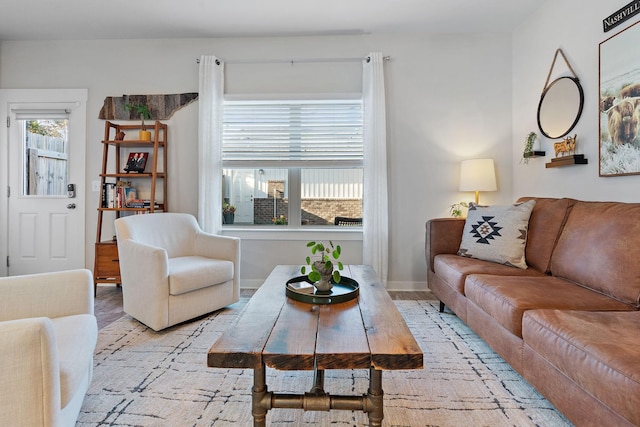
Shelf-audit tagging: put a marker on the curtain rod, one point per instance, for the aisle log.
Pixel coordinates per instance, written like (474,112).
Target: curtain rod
(294,60)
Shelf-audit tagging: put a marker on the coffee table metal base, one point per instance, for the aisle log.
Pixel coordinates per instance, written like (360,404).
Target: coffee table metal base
(316,399)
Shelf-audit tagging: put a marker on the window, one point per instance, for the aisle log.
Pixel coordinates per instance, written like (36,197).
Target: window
(293,163)
(45,150)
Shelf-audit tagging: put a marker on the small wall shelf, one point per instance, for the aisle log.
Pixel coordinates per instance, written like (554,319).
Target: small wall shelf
(533,154)
(575,159)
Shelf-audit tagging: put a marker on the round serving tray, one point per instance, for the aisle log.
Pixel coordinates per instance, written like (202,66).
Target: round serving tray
(301,289)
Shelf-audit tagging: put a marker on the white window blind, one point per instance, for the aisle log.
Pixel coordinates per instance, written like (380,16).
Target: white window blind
(296,133)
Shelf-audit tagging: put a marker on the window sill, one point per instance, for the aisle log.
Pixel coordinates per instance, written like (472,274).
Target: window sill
(294,234)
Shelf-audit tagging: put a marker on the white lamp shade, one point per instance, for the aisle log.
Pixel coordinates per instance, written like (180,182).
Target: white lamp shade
(477,175)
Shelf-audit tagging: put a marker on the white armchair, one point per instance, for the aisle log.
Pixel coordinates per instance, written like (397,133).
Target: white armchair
(47,337)
(172,271)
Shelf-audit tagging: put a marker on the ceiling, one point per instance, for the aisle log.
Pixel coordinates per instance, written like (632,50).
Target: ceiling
(151,19)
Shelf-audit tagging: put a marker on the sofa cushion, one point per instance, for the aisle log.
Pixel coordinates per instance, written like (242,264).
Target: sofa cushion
(598,248)
(548,217)
(190,273)
(597,350)
(76,338)
(506,298)
(497,233)
(454,269)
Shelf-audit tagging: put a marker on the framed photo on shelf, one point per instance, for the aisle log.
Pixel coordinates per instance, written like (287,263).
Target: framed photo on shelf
(620,104)
(136,162)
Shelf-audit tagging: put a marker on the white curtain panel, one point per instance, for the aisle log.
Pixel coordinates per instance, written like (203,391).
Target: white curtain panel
(211,93)
(375,244)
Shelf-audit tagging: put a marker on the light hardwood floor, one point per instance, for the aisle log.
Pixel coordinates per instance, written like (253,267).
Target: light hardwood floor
(108,301)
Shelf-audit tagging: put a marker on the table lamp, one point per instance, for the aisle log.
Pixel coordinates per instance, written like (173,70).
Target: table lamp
(477,175)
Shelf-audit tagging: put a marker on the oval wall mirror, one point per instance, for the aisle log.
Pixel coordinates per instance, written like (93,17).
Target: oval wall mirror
(560,107)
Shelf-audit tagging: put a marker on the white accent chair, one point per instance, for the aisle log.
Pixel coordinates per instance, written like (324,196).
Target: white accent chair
(172,271)
(48,334)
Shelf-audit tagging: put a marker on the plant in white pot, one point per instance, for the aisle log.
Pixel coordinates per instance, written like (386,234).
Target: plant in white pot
(143,111)
(321,267)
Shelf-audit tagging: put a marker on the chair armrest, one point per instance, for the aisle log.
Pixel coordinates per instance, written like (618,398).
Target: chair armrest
(443,236)
(218,247)
(142,264)
(55,294)
(30,374)
(221,247)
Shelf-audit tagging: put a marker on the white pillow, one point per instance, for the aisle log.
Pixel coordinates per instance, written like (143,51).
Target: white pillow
(497,233)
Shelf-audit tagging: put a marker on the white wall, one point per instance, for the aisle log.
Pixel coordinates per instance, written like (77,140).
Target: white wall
(449,98)
(575,26)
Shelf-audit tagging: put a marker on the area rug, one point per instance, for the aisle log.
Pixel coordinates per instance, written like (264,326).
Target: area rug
(147,378)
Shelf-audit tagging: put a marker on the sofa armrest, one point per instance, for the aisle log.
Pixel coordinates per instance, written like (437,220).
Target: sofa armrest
(55,294)
(30,377)
(443,236)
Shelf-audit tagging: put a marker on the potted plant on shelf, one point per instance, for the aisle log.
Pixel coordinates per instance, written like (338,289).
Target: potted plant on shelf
(228,213)
(320,265)
(529,152)
(143,111)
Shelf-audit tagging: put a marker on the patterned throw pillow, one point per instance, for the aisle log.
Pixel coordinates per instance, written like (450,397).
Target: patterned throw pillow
(497,233)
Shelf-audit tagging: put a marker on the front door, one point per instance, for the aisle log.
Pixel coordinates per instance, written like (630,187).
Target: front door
(243,185)
(46,204)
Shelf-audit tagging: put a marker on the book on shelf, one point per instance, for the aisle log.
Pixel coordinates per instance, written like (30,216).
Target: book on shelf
(120,195)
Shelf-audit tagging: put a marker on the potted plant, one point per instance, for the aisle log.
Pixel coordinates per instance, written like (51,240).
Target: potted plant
(320,265)
(281,220)
(528,151)
(143,111)
(456,209)
(228,213)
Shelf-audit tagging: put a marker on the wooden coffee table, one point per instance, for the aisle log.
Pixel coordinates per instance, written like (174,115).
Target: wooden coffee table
(275,331)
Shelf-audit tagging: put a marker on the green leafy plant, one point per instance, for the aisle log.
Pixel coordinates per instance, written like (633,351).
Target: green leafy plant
(321,258)
(528,146)
(141,109)
(228,209)
(280,220)
(456,209)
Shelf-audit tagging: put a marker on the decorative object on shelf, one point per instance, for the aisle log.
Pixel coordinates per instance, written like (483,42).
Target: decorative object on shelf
(529,152)
(228,213)
(477,175)
(143,111)
(561,103)
(568,146)
(567,151)
(323,273)
(162,106)
(455,210)
(136,162)
(620,104)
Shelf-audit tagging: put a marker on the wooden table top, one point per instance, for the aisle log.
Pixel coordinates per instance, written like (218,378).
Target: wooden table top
(290,335)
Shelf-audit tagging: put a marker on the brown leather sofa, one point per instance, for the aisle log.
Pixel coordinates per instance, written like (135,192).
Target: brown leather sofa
(570,322)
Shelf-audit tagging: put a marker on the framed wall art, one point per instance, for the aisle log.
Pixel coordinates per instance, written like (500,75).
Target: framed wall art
(619,149)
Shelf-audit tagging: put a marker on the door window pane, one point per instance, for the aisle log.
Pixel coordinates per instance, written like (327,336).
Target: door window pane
(45,147)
